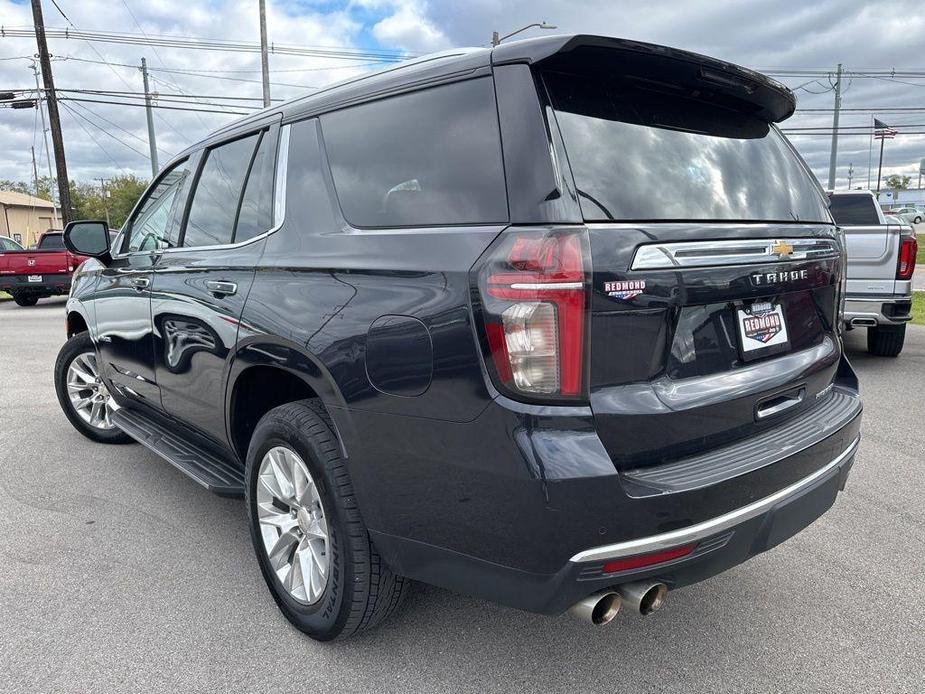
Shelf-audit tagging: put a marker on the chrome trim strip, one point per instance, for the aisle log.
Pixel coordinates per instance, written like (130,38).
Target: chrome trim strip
(547,285)
(731,252)
(694,533)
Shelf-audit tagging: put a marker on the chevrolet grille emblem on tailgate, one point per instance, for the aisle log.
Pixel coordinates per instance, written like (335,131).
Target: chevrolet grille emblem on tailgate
(782,249)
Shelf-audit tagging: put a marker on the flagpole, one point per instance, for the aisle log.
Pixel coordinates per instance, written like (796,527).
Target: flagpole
(870,152)
(880,168)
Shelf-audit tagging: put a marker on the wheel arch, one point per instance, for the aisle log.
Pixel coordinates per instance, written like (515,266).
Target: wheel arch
(267,374)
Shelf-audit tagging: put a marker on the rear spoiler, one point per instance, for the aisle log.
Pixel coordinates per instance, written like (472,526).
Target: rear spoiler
(697,75)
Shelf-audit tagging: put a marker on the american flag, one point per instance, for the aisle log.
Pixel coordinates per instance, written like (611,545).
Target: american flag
(882,131)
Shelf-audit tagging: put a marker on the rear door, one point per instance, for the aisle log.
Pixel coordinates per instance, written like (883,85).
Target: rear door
(715,263)
(200,287)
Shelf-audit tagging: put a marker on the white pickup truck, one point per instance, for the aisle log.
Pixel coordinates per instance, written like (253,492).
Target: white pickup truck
(881,260)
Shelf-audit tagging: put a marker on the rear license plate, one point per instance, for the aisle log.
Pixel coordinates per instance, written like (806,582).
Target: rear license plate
(34,278)
(762,329)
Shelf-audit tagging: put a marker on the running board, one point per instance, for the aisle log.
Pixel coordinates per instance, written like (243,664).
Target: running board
(217,474)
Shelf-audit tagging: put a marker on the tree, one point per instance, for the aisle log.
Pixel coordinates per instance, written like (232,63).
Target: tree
(88,200)
(113,202)
(895,182)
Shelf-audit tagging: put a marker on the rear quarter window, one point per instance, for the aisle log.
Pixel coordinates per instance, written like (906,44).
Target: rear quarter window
(853,210)
(427,158)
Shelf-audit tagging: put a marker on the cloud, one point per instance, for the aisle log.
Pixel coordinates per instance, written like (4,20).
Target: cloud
(764,34)
(407,28)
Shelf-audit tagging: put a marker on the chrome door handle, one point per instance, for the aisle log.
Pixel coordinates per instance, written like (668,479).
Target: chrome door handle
(140,283)
(220,288)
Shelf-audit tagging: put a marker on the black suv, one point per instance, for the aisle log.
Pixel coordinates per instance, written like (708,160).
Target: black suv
(555,324)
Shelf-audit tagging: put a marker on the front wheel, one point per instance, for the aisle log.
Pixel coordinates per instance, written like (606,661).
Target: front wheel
(314,550)
(918,220)
(82,394)
(886,340)
(22,299)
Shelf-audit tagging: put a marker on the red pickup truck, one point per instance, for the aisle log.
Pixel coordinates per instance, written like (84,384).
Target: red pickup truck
(29,275)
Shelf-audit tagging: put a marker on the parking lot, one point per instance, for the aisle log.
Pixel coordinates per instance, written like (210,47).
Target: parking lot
(121,574)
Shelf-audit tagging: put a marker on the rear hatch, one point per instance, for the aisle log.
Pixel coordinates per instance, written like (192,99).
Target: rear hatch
(716,266)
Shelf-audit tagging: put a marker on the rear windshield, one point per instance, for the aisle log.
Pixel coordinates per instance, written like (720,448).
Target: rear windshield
(852,210)
(641,152)
(52,242)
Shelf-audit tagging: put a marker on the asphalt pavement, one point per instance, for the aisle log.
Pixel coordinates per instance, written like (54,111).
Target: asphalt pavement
(119,574)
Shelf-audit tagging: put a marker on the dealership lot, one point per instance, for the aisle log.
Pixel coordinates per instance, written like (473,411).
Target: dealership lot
(121,574)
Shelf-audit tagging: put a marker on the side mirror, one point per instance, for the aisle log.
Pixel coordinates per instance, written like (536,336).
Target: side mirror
(87,238)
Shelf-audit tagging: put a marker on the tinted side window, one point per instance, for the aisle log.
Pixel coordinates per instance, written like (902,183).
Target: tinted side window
(428,158)
(217,193)
(853,210)
(256,215)
(156,225)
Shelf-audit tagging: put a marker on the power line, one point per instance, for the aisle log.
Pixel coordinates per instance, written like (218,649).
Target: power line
(94,140)
(199,73)
(115,125)
(212,44)
(106,132)
(155,106)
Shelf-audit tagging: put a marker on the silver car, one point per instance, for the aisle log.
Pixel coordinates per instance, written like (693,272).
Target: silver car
(909,215)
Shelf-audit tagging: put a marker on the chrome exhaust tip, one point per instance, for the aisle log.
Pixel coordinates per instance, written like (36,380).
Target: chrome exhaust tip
(644,597)
(598,609)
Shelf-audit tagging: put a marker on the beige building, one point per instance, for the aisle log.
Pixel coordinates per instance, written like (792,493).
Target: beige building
(25,218)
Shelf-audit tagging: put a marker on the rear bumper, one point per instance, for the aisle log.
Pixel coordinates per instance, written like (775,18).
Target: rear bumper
(526,508)
(50,285)
(722,542)
(869,311)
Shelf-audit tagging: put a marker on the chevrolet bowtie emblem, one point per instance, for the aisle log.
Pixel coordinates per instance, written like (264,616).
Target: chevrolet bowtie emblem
(782,249)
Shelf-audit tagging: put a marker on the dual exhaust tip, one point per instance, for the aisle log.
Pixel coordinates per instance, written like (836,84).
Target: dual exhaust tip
(600,608)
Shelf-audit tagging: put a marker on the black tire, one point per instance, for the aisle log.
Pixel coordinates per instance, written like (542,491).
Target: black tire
(361,591)
(886,340)
(77,345)
(918,220)
(25,299)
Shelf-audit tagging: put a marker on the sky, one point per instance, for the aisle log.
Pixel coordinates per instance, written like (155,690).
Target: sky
(770,35)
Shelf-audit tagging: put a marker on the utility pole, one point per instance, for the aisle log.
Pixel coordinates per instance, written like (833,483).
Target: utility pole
(850,174)
(834,153)
(51,174)
(152,141)
(103,194)
(35,171)
(54,118)
(264,59)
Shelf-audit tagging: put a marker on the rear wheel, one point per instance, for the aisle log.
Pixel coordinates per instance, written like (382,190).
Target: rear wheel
(313,548)
(886,340)
(82,394)
(22,299)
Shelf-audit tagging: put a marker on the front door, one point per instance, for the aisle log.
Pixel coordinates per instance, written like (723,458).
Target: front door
(122,302)
(199,289)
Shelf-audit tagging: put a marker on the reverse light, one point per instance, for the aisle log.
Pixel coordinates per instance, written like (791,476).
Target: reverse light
(908,248)
(534,291)
(643,560)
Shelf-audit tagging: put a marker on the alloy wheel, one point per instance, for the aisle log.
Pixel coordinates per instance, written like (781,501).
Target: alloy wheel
(293,524)
(88,394)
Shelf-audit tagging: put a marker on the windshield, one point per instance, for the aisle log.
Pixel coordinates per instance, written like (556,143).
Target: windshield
(643,152)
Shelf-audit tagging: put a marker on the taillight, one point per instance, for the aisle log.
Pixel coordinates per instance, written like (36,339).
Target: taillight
(908,248)
(534,292)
